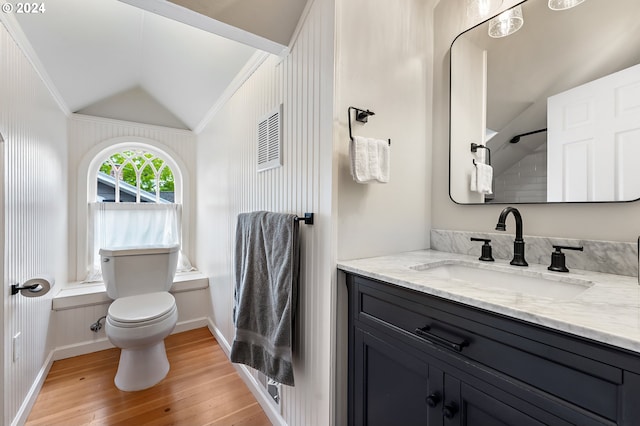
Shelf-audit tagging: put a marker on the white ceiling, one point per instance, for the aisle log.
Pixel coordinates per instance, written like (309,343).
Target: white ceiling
(270,19)
(106,52)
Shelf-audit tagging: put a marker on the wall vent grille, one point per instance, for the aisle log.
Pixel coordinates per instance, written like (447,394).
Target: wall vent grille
(270,140)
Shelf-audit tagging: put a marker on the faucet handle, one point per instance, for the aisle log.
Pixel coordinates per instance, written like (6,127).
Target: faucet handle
(486,250)
(579,248)
(558,259)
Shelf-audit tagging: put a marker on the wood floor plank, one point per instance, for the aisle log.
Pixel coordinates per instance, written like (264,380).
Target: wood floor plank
(202,388)
(251,415)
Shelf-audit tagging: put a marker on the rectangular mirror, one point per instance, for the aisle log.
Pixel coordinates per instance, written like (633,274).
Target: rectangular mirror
(557,104)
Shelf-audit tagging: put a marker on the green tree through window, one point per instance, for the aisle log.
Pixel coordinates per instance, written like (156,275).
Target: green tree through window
(137,175)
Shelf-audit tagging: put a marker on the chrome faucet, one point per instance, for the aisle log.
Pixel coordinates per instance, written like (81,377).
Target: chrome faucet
(518,243)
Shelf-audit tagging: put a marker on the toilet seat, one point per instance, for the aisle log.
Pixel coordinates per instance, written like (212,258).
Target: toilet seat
(143,309)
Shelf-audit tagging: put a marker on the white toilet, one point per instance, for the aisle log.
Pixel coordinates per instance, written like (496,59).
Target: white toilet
(143,312)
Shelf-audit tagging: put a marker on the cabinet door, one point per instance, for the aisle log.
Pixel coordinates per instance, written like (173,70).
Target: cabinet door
(391,386)
(465,405)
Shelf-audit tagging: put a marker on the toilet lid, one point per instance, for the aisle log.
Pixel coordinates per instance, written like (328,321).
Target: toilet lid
(142,307)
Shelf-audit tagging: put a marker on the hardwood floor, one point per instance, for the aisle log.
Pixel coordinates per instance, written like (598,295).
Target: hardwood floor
(202,388)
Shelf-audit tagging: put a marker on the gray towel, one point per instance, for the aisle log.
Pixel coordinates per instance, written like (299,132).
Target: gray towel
(265,297)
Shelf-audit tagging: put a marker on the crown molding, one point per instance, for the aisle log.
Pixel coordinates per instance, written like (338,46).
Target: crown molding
(187,16)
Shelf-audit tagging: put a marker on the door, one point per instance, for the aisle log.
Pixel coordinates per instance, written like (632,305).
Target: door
(469,401)
(594,140)
(5,285)
(391,386)
(479,408)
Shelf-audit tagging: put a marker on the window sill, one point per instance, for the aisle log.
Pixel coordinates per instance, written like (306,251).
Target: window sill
(77,294)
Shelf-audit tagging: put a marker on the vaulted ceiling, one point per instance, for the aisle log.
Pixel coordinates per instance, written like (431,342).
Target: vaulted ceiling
(152,61)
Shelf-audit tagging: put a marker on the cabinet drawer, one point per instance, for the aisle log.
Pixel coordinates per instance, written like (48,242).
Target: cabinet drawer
(503,344)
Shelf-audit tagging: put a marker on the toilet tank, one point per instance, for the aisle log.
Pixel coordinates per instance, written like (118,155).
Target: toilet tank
(131,271)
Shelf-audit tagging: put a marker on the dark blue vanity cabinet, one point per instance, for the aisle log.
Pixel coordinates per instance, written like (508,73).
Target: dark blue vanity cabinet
(416,359)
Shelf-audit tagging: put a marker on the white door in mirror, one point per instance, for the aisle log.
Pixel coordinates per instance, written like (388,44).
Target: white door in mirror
(594,140)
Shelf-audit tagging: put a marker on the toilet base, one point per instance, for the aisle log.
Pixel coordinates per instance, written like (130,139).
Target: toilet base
(141,368)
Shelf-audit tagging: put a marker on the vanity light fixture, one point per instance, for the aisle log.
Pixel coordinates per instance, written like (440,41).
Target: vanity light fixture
(563,4)
(507,23)
(482,8)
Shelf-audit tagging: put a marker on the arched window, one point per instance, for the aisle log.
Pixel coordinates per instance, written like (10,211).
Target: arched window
(135,201)
(135,175)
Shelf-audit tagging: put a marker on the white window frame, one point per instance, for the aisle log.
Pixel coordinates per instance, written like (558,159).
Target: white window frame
(87,190)
(148,163)
(104,155)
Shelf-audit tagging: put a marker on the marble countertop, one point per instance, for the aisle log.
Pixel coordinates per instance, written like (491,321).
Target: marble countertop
(608,310)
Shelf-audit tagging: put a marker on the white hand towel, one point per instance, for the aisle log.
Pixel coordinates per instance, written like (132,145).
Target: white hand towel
(369,160)
(482,178)
(384,161)
(360,160)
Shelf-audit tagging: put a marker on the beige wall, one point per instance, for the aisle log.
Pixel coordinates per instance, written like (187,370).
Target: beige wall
(612,222)
(384,63)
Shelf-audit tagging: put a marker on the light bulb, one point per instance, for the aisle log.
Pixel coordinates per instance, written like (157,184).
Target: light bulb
(563,4)
(507,23)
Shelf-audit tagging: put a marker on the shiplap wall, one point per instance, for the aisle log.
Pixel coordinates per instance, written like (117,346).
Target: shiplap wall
(228,184)
(35,181)
(88,134)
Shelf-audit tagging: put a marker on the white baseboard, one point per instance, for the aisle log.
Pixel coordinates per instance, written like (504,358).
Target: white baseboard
(256,388)
(32,395)
(88,347)
(82,348)
(192,324)
(226,347)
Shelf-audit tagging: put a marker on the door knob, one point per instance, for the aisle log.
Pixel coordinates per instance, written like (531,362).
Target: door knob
(434,399)
(450,410)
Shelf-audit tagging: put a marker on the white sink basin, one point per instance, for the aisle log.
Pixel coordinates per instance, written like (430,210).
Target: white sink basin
(531,283)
